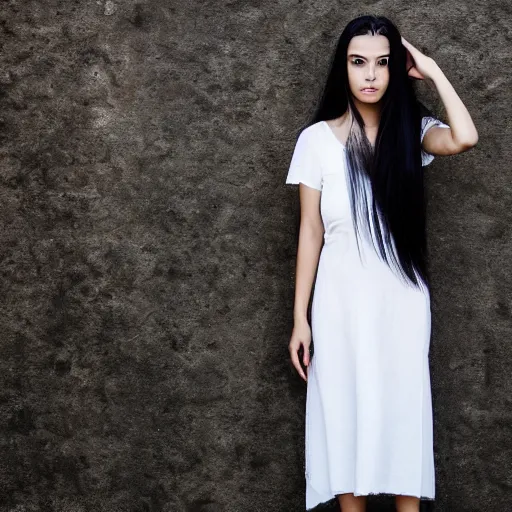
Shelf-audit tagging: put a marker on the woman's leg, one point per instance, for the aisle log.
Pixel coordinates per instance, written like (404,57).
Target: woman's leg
(407,503)
(350,503)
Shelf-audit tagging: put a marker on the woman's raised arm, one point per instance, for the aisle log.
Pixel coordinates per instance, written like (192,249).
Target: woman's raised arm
(462,134)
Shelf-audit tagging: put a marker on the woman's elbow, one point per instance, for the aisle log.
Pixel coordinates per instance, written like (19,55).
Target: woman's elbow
(470,141)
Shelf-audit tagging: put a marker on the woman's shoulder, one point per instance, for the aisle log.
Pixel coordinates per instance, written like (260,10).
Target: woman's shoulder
(312,133)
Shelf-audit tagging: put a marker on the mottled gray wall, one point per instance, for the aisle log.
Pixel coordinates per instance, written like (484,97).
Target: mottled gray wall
(148,244)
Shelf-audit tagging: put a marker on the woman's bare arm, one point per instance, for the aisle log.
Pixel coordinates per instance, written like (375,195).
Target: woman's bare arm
(310,243)
(462,134)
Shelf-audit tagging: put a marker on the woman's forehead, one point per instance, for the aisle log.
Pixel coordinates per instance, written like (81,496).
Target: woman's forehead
(369,46)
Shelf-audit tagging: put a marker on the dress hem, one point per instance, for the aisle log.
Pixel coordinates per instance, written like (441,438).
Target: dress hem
(328,503)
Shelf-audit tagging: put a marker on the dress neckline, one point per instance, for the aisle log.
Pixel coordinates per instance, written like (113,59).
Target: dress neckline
(334,135)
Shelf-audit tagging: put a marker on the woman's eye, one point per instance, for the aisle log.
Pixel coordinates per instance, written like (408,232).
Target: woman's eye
(358,62)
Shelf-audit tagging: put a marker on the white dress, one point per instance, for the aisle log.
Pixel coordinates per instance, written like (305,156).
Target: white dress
(369,426)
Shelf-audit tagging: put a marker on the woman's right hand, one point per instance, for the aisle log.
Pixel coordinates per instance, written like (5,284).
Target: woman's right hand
(301,335)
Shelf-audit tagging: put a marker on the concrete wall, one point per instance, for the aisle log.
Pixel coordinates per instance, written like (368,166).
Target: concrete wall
(148,245)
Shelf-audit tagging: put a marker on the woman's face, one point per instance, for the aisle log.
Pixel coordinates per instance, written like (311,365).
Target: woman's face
(367,67)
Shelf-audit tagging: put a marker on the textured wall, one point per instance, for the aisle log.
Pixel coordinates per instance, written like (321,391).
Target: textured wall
(148,244)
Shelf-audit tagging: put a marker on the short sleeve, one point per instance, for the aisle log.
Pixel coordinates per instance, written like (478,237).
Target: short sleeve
(305,166)
(426,123)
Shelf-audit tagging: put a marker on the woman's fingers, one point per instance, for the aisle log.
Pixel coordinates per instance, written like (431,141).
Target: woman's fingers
(418,65)
(305,357)
(412,69)
(409,61)
(296,363)
(409,46)
(301,336)
(294,354)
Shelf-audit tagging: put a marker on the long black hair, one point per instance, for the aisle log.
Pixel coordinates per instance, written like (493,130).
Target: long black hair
(394,216)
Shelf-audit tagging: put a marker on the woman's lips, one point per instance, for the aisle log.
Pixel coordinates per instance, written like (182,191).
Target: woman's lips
(369,90)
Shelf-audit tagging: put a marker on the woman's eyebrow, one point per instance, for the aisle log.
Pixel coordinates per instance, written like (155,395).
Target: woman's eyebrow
(360,56)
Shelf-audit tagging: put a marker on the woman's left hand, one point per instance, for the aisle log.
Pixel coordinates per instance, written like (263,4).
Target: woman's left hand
(418,65)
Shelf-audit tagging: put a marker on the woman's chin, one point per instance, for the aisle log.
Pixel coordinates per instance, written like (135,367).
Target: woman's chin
(366,98)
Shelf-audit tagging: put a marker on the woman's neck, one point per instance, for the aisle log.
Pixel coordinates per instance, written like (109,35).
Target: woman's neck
(370,113)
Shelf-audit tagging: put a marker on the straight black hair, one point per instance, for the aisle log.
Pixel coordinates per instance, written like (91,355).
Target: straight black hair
(395,216)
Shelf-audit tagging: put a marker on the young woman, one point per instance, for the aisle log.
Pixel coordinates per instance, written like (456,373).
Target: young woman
(360,165)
